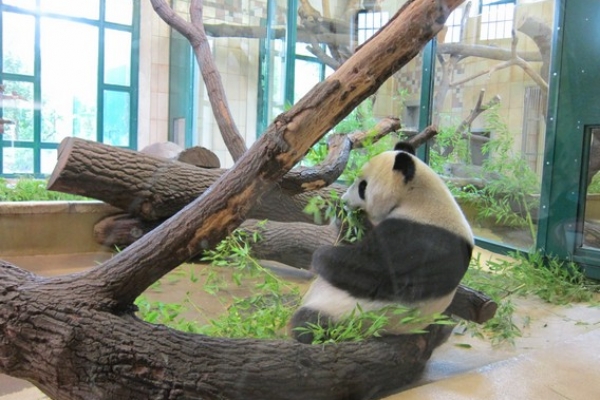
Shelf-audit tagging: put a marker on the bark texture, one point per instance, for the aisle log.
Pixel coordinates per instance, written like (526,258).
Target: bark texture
(83,352)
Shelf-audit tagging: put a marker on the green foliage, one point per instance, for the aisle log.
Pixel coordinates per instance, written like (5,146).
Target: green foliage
(265,313)
(168,314)
(361,325)
(552,280)
(350,222)
(594,186)
(517,182)
(29,189)
(360,119)
(447,138)
(510,183)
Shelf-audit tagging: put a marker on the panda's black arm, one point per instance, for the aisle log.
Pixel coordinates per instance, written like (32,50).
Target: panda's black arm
(397,260)
(351,266)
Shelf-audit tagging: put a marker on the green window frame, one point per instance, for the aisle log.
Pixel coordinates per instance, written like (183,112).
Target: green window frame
(109,112)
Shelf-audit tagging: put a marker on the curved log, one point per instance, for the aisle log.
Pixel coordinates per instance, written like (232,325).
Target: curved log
(105,348)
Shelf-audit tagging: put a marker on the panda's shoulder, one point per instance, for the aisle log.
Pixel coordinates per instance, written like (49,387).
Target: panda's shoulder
(394,228)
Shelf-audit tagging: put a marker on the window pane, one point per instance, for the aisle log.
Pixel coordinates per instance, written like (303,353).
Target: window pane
(18,44)
(68,105)
(17,106)
(310,73)
(119,11)
(116,118)
(17,161)
(28,4)
(74,8)
(49,157)
(494,162)
(117,58)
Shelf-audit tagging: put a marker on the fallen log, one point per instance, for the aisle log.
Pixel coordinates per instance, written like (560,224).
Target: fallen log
(154,188)
(151,187)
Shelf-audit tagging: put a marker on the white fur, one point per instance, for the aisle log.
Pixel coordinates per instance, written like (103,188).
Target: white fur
(338,304)
(425,198)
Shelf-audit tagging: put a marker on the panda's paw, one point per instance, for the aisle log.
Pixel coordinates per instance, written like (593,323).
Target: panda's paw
(301,323)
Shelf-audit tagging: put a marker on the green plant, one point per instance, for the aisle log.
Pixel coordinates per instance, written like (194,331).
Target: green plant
(509,198)
(361,325)
(360,119)
(168,314)
(265,313)
(450,147)
(552,280)
(350,222)
(510,184)
(30,189)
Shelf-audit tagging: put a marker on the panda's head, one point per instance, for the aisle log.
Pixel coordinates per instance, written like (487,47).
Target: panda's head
(396,184)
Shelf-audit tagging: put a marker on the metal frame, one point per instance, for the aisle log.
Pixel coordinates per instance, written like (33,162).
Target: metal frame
(573,91)
(37,145)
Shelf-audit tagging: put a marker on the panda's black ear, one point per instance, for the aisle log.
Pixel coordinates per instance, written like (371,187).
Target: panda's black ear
(405,164)
(405,146)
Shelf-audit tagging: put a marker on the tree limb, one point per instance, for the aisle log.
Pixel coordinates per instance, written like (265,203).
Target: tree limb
(515,60)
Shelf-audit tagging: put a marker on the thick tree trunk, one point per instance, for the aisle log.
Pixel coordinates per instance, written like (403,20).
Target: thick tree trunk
(74,336)
(83,352)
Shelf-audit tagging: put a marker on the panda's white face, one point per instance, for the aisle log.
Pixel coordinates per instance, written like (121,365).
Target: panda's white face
(381,187)
(396,184)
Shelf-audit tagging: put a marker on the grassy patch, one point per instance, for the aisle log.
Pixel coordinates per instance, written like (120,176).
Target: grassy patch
(30,189)
(552,280)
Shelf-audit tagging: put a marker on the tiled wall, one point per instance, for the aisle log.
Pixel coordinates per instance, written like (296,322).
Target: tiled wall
(237,62)
(154,78)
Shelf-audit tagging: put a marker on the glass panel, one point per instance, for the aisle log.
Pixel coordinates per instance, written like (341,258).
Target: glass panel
(18,43)
(73,8)
(591,226)
(17,160)
(117,57)
(310,73)
(119,11)
(68,105)
(17,111)
(28,4)
(48,160)
(116,118)
(492,156)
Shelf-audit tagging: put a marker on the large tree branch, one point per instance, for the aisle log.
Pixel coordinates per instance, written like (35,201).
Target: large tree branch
(208,219)
(514,60)
(482,51)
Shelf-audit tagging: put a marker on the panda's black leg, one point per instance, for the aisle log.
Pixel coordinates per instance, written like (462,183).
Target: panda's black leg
(304,318)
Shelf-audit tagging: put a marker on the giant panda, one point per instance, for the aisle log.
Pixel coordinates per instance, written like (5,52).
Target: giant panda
(415,254)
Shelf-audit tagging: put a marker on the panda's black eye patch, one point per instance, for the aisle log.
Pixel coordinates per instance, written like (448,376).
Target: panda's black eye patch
(362,186)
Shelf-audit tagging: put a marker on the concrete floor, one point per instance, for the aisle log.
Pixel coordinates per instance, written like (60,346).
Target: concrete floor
(557,357)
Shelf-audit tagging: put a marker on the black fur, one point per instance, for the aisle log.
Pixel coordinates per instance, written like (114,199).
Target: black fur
(405,164)
(399,260)
(362,187)
(405,146)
